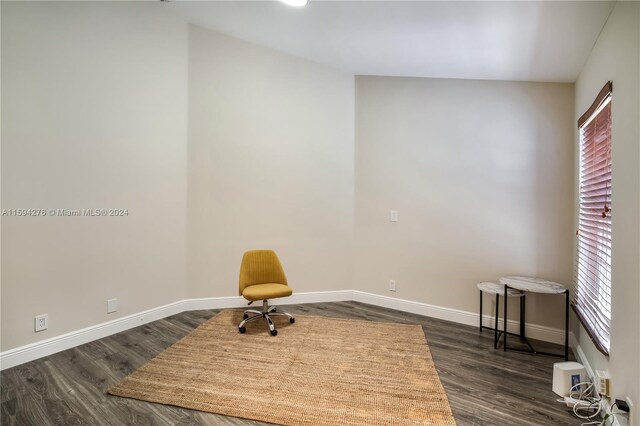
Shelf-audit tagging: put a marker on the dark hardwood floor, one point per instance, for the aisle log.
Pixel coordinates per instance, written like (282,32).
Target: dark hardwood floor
(484,386)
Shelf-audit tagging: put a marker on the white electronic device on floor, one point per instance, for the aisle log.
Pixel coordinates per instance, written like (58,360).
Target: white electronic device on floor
(566,375)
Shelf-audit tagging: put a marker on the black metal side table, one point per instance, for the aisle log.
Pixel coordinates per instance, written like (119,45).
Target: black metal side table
(498,290)
(537,285)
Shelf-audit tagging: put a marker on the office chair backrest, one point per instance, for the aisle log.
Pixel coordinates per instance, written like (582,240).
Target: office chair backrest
(261,267)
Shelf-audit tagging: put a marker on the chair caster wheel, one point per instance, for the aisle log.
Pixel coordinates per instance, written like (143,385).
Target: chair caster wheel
(274,332)
(292,320)
(245,316)
(242,329)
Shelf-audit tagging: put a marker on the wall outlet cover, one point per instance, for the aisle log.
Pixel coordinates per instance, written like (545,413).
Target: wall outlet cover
(41,322)
(112,305)
(633,416)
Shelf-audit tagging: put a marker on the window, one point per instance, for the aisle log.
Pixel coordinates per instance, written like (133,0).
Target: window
(592,292)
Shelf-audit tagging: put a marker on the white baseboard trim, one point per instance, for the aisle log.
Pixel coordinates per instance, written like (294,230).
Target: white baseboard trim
(240,302)
(573,342)
(581,357)
(30,352)
(449,314)
(534,331)
(319,297)
(33,351)
(36,350)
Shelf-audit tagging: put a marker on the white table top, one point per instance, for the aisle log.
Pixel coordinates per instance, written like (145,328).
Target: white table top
(495,288)
(534,285)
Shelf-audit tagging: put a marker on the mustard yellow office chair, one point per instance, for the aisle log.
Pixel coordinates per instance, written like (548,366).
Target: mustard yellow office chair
(262,278)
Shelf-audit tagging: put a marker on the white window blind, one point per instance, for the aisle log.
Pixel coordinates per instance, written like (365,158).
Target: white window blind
(592,292)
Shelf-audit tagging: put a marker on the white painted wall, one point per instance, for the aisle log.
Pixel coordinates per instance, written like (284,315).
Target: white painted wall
(96,104)
(616,57)
(271,145)
(94,114)
(481,173)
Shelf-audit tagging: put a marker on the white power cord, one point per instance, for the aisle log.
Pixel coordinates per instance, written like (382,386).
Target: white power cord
(585,405)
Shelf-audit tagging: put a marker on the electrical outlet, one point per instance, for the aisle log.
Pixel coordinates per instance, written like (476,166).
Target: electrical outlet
(633,416)
(112,305)
(617,417)
(41,322)
(603,383)
(392,285)
(393,216)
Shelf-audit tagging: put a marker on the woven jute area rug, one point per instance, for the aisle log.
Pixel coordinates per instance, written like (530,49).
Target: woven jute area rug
(318,371)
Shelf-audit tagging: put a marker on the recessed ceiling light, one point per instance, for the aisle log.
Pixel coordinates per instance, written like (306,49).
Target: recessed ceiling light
(296,3)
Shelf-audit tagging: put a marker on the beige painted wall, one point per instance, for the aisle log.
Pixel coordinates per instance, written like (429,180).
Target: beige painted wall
(94,114)
(481,173)
(616,57)
(270,165)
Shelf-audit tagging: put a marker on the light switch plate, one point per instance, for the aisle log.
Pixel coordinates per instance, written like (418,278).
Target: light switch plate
(393,216)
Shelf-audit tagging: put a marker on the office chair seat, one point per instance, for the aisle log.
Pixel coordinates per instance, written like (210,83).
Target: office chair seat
(266,291)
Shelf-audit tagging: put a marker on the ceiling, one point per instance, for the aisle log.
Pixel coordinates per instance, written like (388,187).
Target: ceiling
(512,40)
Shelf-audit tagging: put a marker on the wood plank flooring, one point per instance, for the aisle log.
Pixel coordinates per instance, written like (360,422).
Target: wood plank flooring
(484,386)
